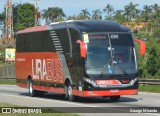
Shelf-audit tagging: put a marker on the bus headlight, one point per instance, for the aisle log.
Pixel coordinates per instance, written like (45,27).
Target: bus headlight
(133,81)
(91,82)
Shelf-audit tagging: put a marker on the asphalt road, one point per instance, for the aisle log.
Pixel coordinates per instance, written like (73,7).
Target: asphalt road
(18,96)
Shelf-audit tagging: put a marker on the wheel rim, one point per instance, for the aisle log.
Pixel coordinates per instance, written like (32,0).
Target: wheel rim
(30,87)
(70,91)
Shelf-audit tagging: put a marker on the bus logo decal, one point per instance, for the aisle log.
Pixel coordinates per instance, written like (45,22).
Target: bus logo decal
(108,82)
(47,69)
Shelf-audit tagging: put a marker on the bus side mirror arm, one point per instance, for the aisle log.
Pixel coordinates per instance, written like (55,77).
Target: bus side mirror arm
(142,46)
(82,48)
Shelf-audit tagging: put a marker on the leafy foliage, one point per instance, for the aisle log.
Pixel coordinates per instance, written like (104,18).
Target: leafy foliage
(15,15)
(85,14)
(2,16)
(97,15)
(53,14)
(25,16)
(119,17)
(108,10)
(153,63)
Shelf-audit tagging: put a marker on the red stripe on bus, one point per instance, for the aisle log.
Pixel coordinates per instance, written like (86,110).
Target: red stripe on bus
(84,93)
(49,89)
(105,93)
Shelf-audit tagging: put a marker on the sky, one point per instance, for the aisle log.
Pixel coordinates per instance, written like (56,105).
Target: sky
(71,7)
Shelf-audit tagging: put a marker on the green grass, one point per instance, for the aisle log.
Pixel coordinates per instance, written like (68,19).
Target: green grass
(8,82)
(2,63)
(149,88)
(54,113)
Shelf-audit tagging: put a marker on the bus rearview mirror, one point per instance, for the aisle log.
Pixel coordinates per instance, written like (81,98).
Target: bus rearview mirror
(82,48)
(142,46)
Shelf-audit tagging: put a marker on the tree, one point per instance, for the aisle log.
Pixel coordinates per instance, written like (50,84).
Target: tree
(156,34)
(15,15)
(156,10)
(108,10)
(119,17)
(2,16)
(85,14)
(15,8)
(118,12)
(53,14)
(97,14)
(126,12)
(153,63)
(131,12)
(25,14)
(147,12)
(45,15)
(74,17)
(155,16)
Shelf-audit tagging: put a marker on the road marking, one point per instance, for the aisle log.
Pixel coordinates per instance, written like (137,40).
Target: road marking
(152,114)
(13,87)
(6,88)
(58,101)
(67,102)
(10,87)
(149,93)
(70,103)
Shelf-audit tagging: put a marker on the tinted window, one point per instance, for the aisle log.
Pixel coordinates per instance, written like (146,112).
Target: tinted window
(64,40)
(121,39)
(34,42)
(75,35)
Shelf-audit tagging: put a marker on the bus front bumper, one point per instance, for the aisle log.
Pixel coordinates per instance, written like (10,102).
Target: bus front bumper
(100,93)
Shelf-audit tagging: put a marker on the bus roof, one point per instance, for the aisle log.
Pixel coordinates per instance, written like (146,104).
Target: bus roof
(92,25)
(81,25)
(33,29)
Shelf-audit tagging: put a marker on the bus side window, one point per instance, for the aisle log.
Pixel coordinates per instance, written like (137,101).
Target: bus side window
(28,43)
(47,43)
(64,39)
(75,47)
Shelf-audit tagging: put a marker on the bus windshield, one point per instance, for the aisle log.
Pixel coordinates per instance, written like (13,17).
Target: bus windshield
(111,54)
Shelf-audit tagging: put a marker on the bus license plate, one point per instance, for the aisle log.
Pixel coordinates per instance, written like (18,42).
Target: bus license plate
(114,91)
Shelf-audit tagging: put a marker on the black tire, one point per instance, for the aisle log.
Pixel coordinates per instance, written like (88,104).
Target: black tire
(32,92)
(114,98)
(68,92)
(39,93)
(65,93)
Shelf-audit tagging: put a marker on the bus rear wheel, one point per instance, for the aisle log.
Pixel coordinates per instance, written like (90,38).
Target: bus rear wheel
(68,92)
(32,92)
(114,98)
